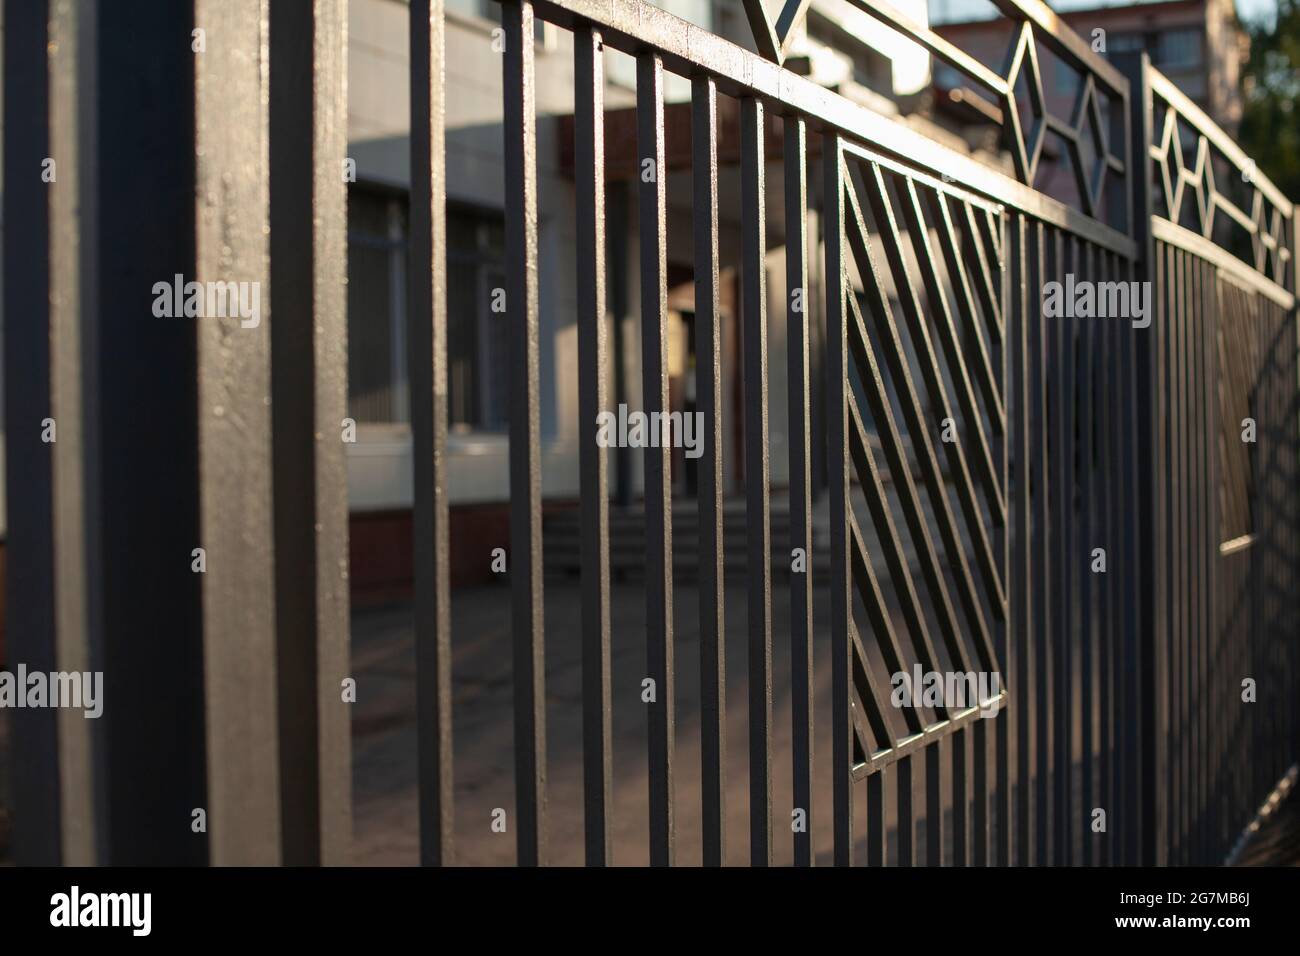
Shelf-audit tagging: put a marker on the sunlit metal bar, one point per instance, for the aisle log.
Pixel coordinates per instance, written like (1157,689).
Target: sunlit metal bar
(309,403)
(658,463)
(426,339)
(593,369)
(234,385)
(708,390)
(798,347)
(757,493)
(837,371)
(520,126)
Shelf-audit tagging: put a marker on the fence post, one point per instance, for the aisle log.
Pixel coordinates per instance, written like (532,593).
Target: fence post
(1147,753)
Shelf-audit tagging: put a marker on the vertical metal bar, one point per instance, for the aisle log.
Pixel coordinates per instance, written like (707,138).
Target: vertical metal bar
(1022,256)
(73,137)
(308,115)
(877,831)
(426,338)
(1154,376)
(1144,518)
(837,371)
(1044,528)
(1191,562)
(658,493)
(1126,659)
(757,504)
(147,612)
(906,806)
(1208,439)
(980,843)
(48,275)
(1008,756)
(1214,478)
(937,783)
(708,389)
(29,408)
(618,232)
(520,126)
(1182,479)
(593,368)
(234,356)
(1106,359)
(1178,544)
(1066,556)
(961,770)
(1197,553)
(798,348)
(1114,710)
(1083,558)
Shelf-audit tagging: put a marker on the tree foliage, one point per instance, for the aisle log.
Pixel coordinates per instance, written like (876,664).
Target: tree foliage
(1270,124)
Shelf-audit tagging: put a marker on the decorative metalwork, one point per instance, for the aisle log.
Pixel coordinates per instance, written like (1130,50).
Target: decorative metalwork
(1267,223)
(1037,24)
(996,451)
(773,40)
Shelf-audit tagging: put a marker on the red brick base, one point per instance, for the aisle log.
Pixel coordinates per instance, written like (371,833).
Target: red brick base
(381,549)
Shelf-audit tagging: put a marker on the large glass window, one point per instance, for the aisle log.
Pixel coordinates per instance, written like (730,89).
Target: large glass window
(377,240)
(477,343)
(1178,49)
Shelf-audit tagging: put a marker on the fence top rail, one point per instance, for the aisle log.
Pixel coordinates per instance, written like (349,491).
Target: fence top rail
(1194,204)
(1063,41)
(637,27)
(1197,118)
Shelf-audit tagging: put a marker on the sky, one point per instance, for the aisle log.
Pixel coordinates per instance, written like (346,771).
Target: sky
(940,10)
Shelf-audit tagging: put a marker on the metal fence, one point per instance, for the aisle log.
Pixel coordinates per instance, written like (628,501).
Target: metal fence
(1092,527)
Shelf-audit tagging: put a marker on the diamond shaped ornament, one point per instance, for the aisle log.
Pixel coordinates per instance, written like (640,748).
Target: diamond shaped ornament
(774,40)
(1026,145)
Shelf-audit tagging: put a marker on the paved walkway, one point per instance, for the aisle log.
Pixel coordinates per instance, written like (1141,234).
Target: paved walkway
(384,729)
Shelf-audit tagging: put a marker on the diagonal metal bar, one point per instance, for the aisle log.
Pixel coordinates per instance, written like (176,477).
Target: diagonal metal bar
(896,355)
(870,693)
(878,498)
(960,276)
(982,452)
(989,566)
(878,614)
(896,454)
(985,287)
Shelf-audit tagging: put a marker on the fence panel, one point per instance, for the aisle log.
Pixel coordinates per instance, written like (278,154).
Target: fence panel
(1060,471)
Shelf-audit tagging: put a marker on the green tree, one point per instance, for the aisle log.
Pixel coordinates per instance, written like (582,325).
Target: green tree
(1270,124)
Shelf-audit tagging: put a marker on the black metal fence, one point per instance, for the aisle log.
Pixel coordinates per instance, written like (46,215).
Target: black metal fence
(1056,495)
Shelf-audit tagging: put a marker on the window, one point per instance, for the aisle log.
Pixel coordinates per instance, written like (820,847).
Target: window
(377,239)
(1126,43)
(491,10)
(477,341)
(478,347)
(1178,49)
(1169,49)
